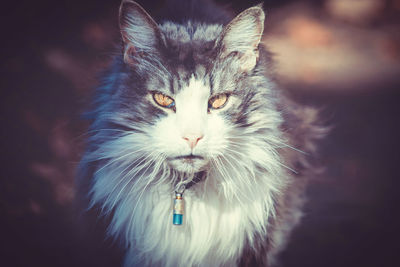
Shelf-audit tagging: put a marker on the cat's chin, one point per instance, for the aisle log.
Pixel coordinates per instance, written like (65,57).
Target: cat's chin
(188,165)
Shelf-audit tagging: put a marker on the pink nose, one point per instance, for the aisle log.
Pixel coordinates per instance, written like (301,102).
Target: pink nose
(192,139)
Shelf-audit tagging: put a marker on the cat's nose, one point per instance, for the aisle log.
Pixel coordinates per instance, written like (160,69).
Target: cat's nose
(192,139)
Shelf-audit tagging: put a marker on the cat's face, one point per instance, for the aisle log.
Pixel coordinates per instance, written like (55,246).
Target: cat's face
(194,86)
(195,126)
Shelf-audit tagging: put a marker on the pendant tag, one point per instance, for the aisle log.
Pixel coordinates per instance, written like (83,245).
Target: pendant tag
(178,209)
(178,203)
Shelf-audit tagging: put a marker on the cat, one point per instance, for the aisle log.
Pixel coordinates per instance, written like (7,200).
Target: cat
(189,111)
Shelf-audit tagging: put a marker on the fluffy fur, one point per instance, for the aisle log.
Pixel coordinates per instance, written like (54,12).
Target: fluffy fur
(246,195)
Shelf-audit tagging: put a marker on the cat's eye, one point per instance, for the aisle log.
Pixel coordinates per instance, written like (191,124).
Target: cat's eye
(218,101)
(163,100)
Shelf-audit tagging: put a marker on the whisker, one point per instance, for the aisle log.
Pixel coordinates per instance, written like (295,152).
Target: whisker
(222,168)
(287,167)
(135,171)
(117,159)
(98,131)
(142,191)
(293,148)
(277,161)
(239,164)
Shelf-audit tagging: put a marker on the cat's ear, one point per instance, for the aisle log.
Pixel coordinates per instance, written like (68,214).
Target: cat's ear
(139,31)
(242,37)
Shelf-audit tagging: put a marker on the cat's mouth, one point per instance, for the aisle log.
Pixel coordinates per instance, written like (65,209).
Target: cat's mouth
(188,157)
(187,163)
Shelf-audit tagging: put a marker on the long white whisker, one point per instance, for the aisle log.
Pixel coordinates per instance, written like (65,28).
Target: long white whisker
(237,171)
(97,131)
(156,169)
(291,147)
(287,167)
(224,173)
(117,159)
(277,162)
(135,171)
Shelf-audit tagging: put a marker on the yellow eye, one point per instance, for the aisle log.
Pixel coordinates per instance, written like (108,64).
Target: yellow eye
(218,101)
(163,100)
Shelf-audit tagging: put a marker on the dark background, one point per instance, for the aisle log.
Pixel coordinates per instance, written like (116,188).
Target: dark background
(342,55)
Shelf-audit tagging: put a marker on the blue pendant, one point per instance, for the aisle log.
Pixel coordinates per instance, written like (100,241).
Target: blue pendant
(178,209)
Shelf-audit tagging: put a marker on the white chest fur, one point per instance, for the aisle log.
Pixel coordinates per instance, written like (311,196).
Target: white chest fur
(213,232)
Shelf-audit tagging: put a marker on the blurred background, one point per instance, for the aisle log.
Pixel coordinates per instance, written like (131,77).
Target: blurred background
(342,55)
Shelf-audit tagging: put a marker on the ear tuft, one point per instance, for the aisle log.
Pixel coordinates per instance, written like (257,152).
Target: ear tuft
(243,35)
(139,31)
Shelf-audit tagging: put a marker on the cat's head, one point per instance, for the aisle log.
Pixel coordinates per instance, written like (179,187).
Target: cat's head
(196,92)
